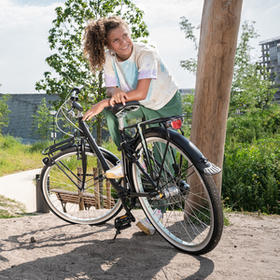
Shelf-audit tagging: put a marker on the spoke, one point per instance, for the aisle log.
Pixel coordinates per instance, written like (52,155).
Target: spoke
(96,203)
(65,166)
(193,214)
(68,176)
(192,225)
(183,223)
(199,204)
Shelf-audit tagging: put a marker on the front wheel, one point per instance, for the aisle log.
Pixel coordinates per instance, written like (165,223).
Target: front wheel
(61,183)
(190,216)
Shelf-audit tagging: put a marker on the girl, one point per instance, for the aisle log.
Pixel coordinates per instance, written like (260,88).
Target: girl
(133,72)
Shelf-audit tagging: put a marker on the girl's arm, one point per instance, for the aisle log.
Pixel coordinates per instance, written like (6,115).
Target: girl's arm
(140,93)
(119,96)
(96,109)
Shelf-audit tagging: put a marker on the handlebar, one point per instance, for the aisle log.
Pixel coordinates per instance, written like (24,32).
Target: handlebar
(74,98)
(77,106)
(116,109)
(75,92)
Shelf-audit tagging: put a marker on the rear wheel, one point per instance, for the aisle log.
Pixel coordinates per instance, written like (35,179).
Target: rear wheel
(60,183)
(190,216)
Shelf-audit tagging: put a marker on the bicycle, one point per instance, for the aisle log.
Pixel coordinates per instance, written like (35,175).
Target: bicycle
(163,171)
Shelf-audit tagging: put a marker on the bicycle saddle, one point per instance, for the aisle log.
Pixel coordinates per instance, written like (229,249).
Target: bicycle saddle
(129,106)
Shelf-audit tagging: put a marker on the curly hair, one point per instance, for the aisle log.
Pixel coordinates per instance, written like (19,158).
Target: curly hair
(95,40)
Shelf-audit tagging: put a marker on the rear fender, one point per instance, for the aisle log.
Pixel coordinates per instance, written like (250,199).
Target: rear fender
(199,160)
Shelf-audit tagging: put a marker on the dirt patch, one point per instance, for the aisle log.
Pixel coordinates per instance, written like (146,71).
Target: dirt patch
(45,247)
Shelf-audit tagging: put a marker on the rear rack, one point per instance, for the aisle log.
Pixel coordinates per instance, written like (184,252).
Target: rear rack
(59,146)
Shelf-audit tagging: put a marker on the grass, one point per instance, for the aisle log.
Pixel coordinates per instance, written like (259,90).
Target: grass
(10,208)
(226,211)
(110,146)
(15,156)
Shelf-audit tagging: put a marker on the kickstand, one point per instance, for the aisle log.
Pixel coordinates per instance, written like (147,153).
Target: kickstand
(117,233)
(123,222)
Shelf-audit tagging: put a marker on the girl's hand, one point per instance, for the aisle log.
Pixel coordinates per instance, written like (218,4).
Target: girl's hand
(119,96)
(95,109)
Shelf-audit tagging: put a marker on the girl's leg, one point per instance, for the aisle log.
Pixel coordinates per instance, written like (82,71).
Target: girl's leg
(113,126)
(172,108)
(113,123)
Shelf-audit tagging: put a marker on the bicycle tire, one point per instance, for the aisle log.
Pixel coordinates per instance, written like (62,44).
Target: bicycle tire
(95,205)
(191,217)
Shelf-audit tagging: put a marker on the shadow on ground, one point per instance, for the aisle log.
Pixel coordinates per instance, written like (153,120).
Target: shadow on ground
(84,257)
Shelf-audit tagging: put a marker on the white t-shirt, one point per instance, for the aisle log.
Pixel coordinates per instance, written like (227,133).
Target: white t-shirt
(144,63)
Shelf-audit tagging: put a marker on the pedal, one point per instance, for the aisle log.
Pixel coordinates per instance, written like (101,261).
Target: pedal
(121,223)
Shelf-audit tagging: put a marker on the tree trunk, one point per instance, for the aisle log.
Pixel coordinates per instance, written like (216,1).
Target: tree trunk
(217,46)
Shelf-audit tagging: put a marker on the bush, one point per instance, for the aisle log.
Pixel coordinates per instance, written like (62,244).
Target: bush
(251,177)
(39,146)
(42,120)
(4,111)
(9,142)
(252,126)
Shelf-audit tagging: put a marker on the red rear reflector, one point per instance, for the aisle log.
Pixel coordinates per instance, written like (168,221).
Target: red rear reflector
(176,124)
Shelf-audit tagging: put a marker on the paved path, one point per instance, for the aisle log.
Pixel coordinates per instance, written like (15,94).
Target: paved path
(21,187)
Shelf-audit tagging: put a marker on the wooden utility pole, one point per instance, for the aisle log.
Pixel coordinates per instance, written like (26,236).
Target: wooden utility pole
(217,46)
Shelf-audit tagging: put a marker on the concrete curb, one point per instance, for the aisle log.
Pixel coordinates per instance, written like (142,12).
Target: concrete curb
(21,187)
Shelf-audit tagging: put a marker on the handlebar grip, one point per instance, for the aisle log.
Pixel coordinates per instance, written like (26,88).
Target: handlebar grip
(77,106)
(75,90)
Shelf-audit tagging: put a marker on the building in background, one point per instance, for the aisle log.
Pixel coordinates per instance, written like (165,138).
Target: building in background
(23,107)
(271,59)
(185,91)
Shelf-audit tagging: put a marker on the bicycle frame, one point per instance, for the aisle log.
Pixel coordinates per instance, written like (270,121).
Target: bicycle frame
(127,149)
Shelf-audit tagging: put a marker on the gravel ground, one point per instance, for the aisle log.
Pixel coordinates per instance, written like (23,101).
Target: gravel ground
(44,247)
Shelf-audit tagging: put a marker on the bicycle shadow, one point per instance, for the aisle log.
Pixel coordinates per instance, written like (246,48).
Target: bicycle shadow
(138,257)
(58,240)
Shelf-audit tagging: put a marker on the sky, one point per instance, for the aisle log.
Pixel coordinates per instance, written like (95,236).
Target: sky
(24,26)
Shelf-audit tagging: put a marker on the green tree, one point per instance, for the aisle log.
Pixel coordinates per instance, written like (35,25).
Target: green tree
(186,26)
(251,163)
(187,104)
(252,110)
(42,120)
(4,111)
(251,88)
(69,67)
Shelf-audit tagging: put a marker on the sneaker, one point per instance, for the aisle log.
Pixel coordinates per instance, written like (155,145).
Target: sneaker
(115,172)
(145,224)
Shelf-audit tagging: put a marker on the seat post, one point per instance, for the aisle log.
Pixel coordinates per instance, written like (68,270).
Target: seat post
(121,116)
